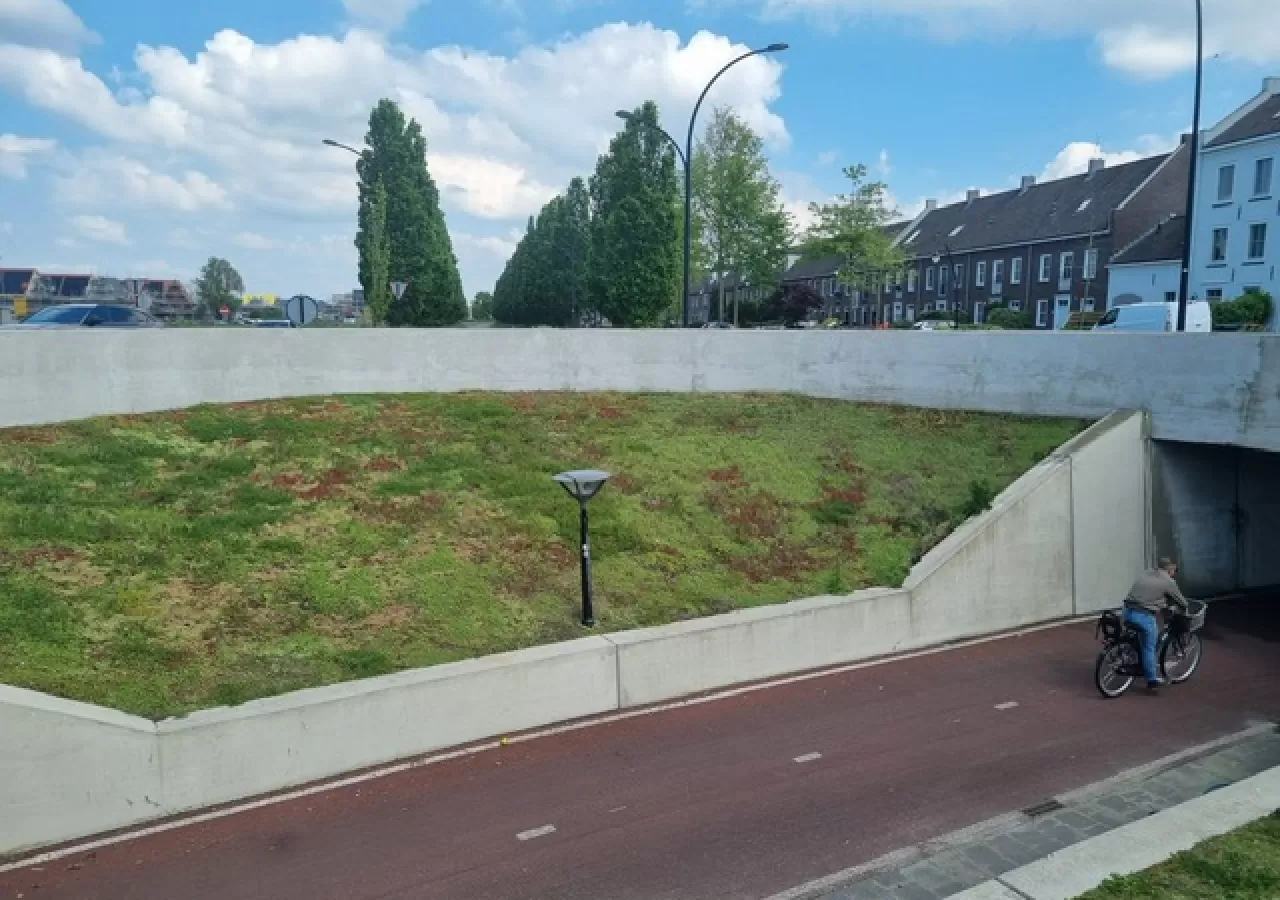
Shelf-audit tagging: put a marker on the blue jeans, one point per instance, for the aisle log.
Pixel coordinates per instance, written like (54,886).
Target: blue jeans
(1149,631)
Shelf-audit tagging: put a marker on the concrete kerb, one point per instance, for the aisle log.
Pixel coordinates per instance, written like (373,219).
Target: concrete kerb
(1137,846)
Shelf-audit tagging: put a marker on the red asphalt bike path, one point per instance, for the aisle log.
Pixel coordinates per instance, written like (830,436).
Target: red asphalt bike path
(708,801)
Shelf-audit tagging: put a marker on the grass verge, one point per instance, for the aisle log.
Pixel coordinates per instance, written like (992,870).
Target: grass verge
(1243,865)
(164,563)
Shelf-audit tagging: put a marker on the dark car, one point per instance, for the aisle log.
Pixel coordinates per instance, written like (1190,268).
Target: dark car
(88,315)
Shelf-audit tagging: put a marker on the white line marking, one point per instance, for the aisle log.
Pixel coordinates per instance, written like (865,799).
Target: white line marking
(1007,706)
(617,809)
(610,718)
(808,758)
(536,833)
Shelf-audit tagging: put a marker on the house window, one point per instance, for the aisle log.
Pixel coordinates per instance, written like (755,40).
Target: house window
(897,312)
(1067,267)
(1042,314)
(928,279)
(1213,294)
(911,281)
(1089,304)
(980,275)
(1170,296)
(1091,264)
(1015,271)
(1046,267)
(1262,172)
(1257,242)
(911,312)
(997,276)
(1226,183)
(942,281)
(959,274)
(1015,305)
(1219,245)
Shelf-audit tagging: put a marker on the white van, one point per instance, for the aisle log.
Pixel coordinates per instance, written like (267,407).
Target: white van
(1155,317)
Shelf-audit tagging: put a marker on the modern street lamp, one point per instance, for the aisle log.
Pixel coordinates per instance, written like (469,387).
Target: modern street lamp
(341,146)
(583,486)
(1185,286)
(687,158)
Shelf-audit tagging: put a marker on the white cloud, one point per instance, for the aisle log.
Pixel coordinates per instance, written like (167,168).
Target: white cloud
(99,179)
(828,158)
(101,230)
(884,167)
(16,153)
(1146,38)
(488,189)
(42,23)
(1074,158)
(250,240)
(6,228)
(389,14)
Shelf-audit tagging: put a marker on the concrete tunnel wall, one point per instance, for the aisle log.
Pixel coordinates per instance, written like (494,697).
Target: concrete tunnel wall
(1216,510)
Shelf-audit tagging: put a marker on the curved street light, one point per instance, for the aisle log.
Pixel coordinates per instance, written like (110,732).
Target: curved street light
(687,158)
(1184,287)
(330,143)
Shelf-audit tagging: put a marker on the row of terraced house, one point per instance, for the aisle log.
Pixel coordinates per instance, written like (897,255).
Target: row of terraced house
(1061,249)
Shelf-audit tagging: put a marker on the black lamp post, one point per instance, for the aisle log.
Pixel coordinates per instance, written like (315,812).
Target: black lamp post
(583,486)
(687,158)
(341,146)
(1185,287)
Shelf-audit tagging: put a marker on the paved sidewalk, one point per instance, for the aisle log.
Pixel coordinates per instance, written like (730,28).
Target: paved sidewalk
(971,859)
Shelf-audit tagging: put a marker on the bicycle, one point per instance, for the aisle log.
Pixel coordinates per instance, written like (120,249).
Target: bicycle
(1179,650)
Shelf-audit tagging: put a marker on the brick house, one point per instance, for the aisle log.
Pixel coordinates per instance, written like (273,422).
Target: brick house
(1043,247)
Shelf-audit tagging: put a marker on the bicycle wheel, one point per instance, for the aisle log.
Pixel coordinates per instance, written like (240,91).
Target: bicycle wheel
(1109,672)
(1180,657)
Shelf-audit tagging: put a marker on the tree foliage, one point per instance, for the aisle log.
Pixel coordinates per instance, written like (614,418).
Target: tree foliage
(419,251)
(741,223)
(544,282)
(1252,308)
(852,228)
(219,285)
(378,251)
(482,307)
(634,267)
(792,303)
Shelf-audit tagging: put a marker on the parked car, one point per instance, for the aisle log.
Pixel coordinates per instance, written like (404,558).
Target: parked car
(87,315)
(934,325)
(1155,317)
(274,323)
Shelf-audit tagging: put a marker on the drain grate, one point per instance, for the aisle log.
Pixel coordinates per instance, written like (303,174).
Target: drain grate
(1042,809)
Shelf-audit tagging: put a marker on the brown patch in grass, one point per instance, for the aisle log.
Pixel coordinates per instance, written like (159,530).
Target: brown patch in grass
(856,495)
(30,437)
(384,464)
(626,484)
(37,555)
(731,476)
(778,560)
(658,504)
(752,515)
(402,510)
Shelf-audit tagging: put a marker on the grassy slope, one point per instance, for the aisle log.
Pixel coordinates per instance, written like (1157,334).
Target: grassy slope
(164,563)
(1243,865)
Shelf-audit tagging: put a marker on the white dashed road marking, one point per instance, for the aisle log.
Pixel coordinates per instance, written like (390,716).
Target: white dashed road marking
(536,833)
(809,757)
(1007,706)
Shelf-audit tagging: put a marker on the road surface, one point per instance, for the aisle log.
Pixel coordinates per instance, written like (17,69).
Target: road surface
(709,801)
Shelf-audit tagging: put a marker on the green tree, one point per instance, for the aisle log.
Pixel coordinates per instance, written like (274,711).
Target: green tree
(482,307)
(420,251)
(634,263)
(219,285)
(851,227)
(741,223)
(377,252)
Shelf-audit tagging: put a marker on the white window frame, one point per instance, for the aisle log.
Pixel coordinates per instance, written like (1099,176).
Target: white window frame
(911,312)
(1067,266)
(1216,257)
(1261,190)
(943,274)
(1226,183)
(980,274)
(898,311)
(1042,313)
(1015,270)
(1213,295)
(1262,252)
(1046,267)
(1015,305)
(1089,304)
(911,281)
(1091,264)
(997,276)
(928,278)
(959,275)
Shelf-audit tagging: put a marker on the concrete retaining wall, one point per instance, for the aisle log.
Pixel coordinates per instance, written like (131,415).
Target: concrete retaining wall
(1216,388)
(68,770)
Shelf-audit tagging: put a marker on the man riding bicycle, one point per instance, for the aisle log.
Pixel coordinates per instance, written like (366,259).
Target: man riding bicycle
(1153,591)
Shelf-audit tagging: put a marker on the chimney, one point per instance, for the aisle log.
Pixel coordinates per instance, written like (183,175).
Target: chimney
(1028,182)
(974,194)
(930,205)
(1096,166)
(1271,85)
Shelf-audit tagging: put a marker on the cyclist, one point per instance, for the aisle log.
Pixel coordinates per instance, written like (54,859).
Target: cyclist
(1152,592)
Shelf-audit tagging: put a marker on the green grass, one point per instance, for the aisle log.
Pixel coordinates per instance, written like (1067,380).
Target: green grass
(1243,865)
(165,563)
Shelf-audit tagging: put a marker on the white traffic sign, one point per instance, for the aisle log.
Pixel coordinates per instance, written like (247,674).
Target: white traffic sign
(301,310)
(398,288)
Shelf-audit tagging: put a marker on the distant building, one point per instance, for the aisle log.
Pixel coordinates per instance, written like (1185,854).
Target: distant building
(1150,269)
(1236,240)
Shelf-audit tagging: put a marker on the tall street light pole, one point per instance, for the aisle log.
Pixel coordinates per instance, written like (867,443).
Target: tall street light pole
(341,146)
(1184,291)
(687,158)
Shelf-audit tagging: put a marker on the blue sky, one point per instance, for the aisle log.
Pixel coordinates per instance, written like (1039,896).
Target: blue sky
(139,137)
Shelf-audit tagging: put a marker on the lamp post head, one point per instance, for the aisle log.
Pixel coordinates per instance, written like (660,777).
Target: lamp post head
(582,485)
(625,115)
(777,48)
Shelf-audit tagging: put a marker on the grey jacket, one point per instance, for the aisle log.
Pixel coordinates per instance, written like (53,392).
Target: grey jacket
(1153,591)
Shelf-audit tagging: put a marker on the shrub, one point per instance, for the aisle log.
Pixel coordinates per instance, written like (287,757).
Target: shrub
(1013,320)
(981,496)
(1251,308)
